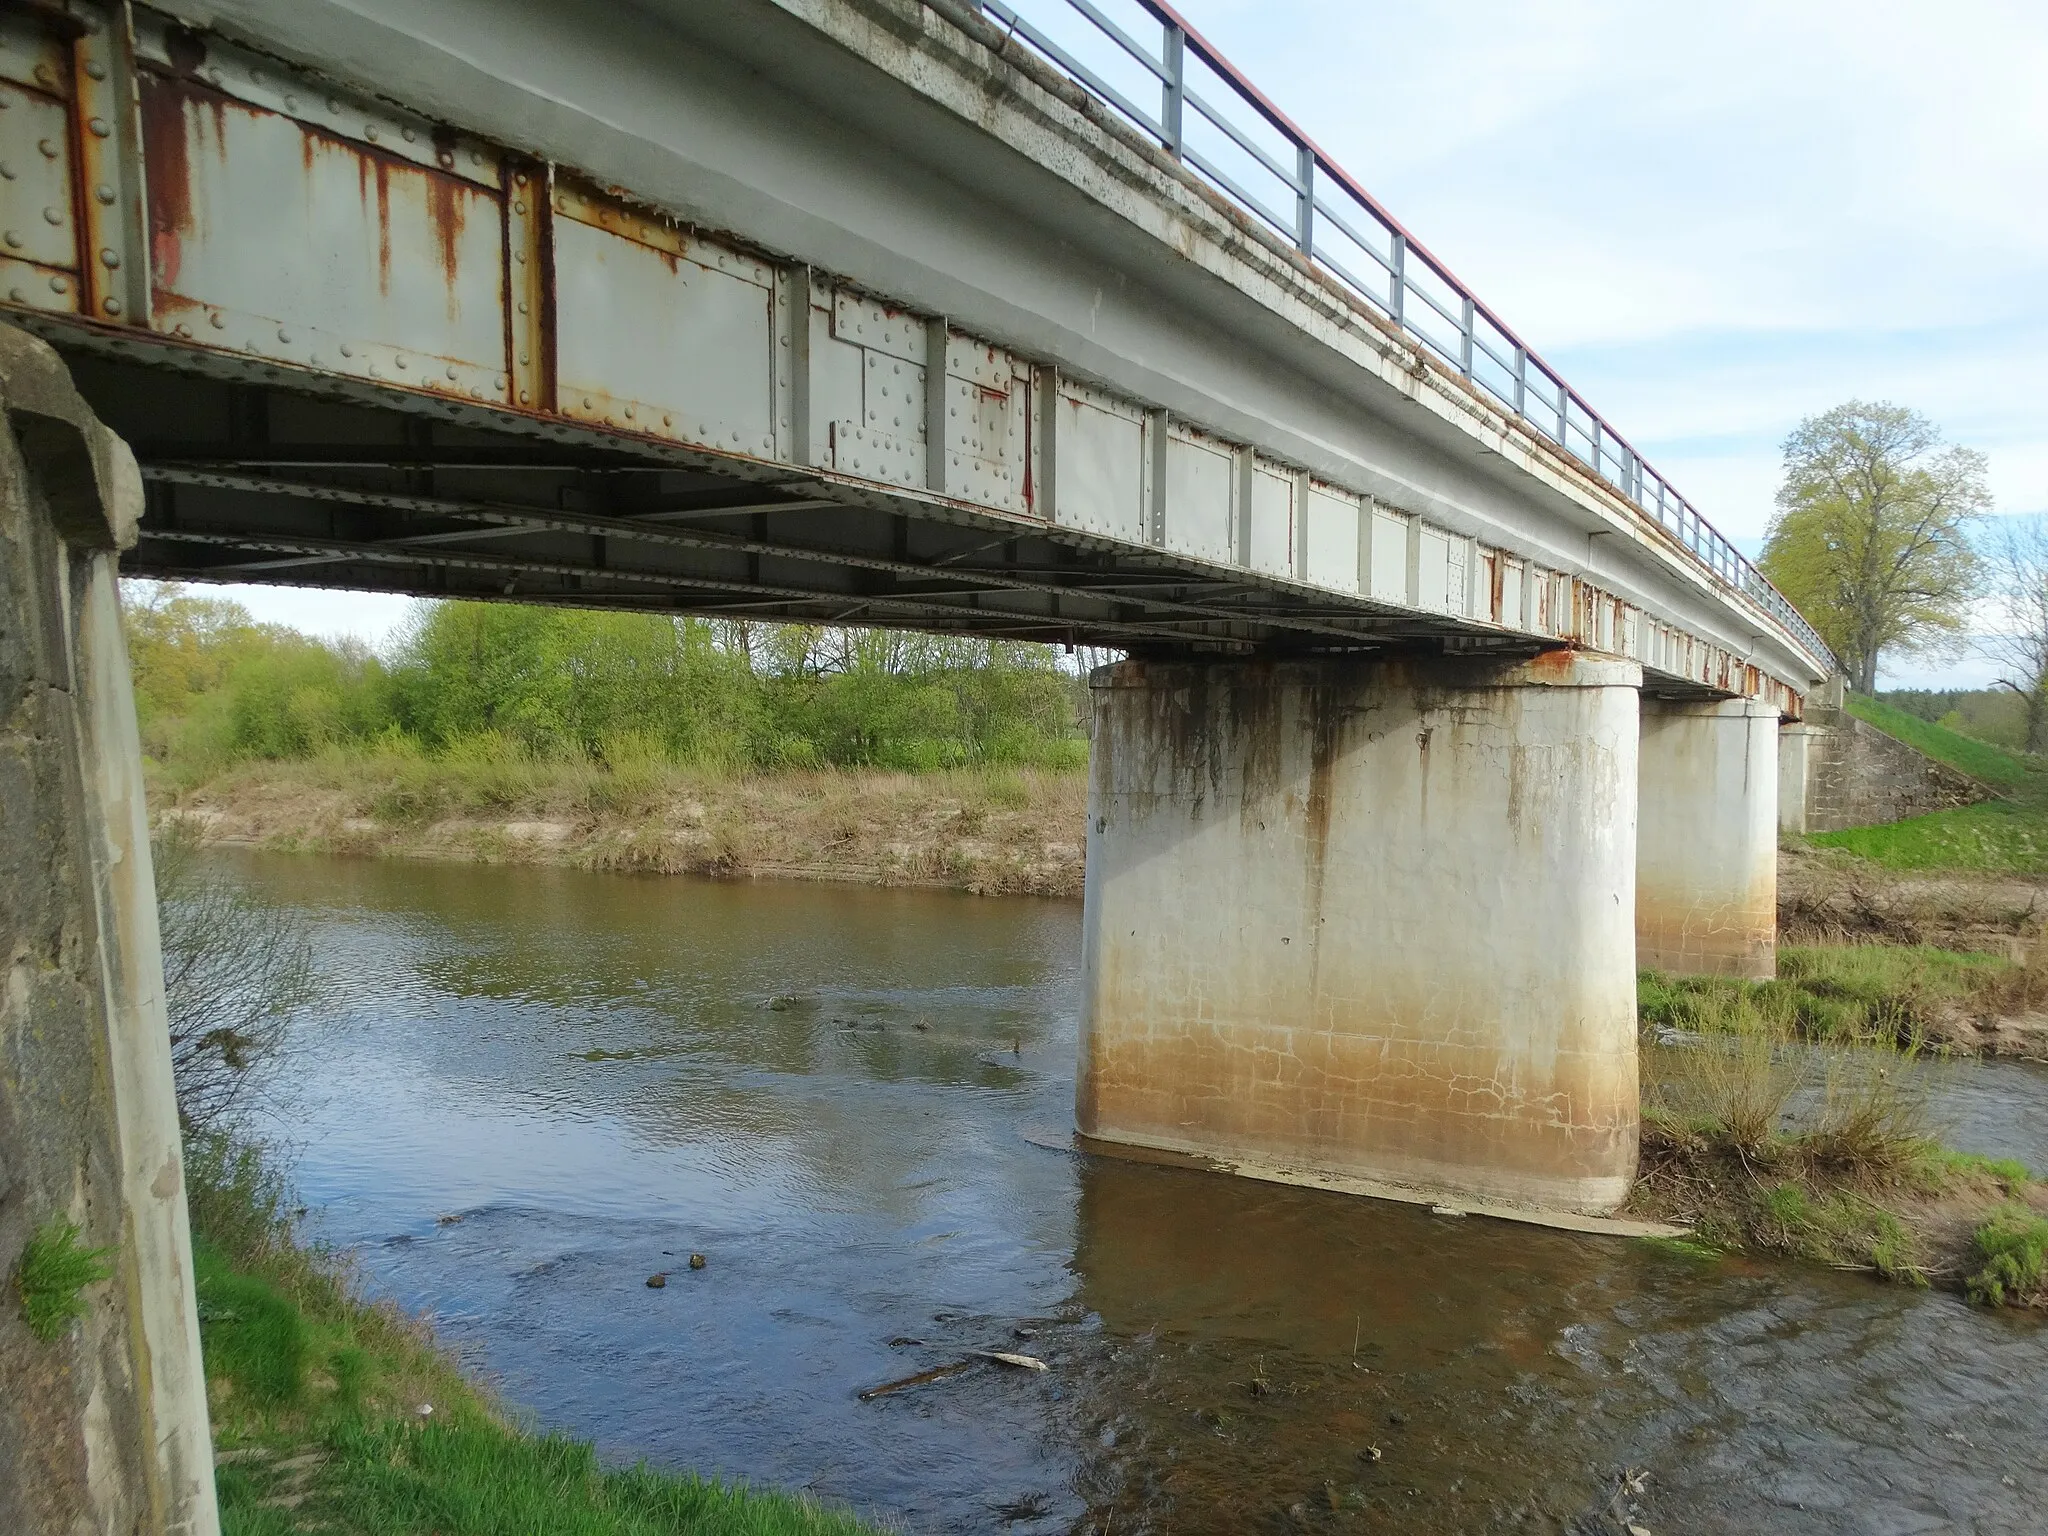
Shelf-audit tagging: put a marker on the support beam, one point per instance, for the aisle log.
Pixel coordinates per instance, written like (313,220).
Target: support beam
(1372,918)
(1707,838)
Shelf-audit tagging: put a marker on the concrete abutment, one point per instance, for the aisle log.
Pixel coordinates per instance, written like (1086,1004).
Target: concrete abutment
(1368,917)
(1707,838)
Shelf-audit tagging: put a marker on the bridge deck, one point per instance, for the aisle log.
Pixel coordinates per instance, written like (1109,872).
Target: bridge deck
(461,351)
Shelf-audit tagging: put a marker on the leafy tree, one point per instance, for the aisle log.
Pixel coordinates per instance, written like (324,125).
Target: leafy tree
(1872,536)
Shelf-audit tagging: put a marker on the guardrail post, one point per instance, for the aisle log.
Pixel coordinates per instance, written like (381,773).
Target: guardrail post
(1521,380)
(1465,324)
(1397,279)
(1173,89)
(1305,198)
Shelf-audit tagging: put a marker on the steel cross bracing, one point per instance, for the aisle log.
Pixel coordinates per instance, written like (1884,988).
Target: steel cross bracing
(357,345)
(1217,123)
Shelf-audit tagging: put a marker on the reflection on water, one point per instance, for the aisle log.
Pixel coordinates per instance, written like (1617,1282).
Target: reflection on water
(823,1090)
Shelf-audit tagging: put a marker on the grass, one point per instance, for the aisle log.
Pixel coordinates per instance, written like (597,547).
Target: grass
(1979,759)
(1783,1118)
(989,828)
(2002,836)
(335,1415)
(1896,994)
(2012,1250)
(51,1276)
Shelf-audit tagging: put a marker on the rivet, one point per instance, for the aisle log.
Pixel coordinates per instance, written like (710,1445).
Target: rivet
(347,350)
(370,133)
(522,306)
(214,75)
(110,258)
(451,373)
(291,103)
(17,295)
(587,403)
(255,77)
(333,104)
(58,285)
(284,335)
(476,157)
(401,361)
(668,421)
(503,381)
(220,322)
(524,359)
(447,158)
(519,255)
(184,330)
(95,70)
(103,192)
(519,179)
(518,207)
(48,147)
(14,238)
(43,74)
(408,135)
(99,127)
(111,306)
(629,413)
(525,398)
(53,216)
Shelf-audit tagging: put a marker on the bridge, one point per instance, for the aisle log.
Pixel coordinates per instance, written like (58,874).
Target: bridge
(1443,708)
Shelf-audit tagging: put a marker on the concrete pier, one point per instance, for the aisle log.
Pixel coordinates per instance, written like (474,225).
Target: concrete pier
(1369,917)
(1707,838)
(103,1429)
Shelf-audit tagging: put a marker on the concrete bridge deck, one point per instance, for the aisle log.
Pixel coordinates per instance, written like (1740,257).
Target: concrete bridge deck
(846,310)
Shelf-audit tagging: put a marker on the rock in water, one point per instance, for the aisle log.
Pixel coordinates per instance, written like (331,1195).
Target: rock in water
(656,1282)
(696,1261)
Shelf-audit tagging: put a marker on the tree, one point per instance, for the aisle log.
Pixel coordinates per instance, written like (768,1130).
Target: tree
(2018,560)
(1872,536)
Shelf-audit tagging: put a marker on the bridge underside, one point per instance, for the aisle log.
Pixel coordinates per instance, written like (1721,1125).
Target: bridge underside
(250,482)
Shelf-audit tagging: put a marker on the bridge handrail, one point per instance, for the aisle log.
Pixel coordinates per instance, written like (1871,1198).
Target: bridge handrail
(1500,363)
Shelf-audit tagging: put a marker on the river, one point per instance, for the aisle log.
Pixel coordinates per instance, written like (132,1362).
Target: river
(826,1092)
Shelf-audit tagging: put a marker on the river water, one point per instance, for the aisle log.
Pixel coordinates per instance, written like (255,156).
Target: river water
(825,1091)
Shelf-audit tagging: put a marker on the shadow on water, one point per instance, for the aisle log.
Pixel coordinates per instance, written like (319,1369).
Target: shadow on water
(824,1090)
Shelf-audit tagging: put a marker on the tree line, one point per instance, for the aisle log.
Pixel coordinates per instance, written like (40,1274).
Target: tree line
(1881,539)
(214,688)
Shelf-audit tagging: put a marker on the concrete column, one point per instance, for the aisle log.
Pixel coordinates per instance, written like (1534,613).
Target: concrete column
(1795,766)
(1707,838)
(103,1429)
(1368,918)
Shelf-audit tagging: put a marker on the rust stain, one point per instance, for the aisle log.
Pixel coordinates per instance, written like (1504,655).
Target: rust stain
(383,174)
(1556,663)
(447,212)
(170,176)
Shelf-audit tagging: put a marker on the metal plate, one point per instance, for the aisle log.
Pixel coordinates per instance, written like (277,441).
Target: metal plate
(1269,543)
(1510,593)
(866,323)
(37,287)
(1099,463)
(1389,558)
(1329,536)
(285,243)
(31,55)
(1433,572)
(1201,487)
(893,395)
(36,222)
(985,442)
(979,363)
(264,82)
(654,342)
(874,455)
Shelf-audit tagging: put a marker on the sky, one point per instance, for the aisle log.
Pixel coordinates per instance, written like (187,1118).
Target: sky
(1714,220)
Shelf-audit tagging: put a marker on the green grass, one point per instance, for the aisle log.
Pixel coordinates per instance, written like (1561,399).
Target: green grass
(51,1276)
(2012,1250)
(1965,754)
(1838,992)
(2002,836)
(317,1400)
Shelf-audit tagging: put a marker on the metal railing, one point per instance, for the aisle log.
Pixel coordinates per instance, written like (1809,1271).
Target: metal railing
(1224,129)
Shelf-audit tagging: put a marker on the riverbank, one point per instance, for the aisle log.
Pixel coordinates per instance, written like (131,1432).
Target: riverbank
(332,1414)
(992,831)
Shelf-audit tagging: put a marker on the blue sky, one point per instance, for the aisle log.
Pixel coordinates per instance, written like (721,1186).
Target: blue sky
(1713,219)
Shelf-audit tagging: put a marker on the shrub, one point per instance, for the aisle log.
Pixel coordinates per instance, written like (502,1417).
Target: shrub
(51,1277)
(2011,1251)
